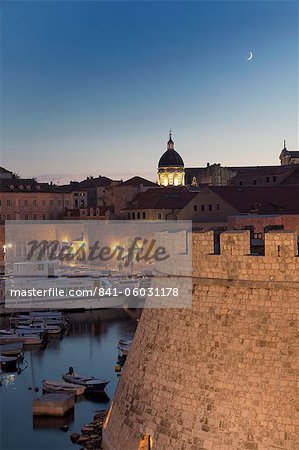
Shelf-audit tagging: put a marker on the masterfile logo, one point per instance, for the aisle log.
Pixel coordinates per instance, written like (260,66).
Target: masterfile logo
(98,264)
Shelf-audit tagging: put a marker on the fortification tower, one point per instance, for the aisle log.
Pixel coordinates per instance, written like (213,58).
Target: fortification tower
(224,375)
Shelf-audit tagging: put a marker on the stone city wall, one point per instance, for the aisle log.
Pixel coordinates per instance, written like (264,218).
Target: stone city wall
(223,375)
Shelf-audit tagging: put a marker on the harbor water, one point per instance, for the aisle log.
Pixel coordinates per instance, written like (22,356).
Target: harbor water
(91,349)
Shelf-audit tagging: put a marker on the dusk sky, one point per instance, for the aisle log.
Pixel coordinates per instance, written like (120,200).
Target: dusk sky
(92,88)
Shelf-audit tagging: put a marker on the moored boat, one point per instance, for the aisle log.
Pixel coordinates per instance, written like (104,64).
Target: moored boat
(61,386)
(14,348)
(124,347)
(8,363)
(49,329)
(27,339)
(92,384)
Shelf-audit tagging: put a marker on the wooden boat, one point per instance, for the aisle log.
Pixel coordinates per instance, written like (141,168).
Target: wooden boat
(46,318)
(92,384)
(20,332)
(14,348)
(61,386)
(49,329)
(28,339)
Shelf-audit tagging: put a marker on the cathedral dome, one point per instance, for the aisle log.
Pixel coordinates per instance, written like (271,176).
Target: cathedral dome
(171,158)
(171,167)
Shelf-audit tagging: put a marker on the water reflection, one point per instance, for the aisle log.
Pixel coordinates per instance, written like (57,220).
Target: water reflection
(91,348)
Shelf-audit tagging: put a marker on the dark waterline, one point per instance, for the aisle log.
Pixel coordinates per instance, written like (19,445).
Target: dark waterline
(91,349)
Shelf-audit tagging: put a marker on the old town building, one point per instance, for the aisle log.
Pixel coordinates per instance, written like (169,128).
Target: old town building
(217,175)
(288,157)
(26,199)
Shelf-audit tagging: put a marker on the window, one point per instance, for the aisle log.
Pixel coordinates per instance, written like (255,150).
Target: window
(218,206)
(34,216)
(210,207)
(7,216)
(254,182)
(59,202)
(274,179)
(194,208)
(43,202)
(138,215)
(25,202)
(66,202)
(0,202)
(51,202)
(267,179)
(240,183)
(143,215)
(202,207)
(159,216)
(8,202)
(133,216)
(44,216)
(51,216)
(34,202)
(26,217)
(129,216)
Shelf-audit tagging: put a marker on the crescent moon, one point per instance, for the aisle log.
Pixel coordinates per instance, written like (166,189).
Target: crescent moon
(250,56)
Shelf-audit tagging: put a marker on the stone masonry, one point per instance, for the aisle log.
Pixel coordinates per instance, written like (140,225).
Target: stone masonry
(223,375)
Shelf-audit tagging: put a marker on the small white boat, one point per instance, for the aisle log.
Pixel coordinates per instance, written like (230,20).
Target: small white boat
(61,386)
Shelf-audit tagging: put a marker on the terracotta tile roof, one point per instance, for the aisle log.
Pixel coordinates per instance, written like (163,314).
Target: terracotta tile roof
(3,170)
(137,181)
(162,198)
(27,185)
(92,182)
(262,199)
